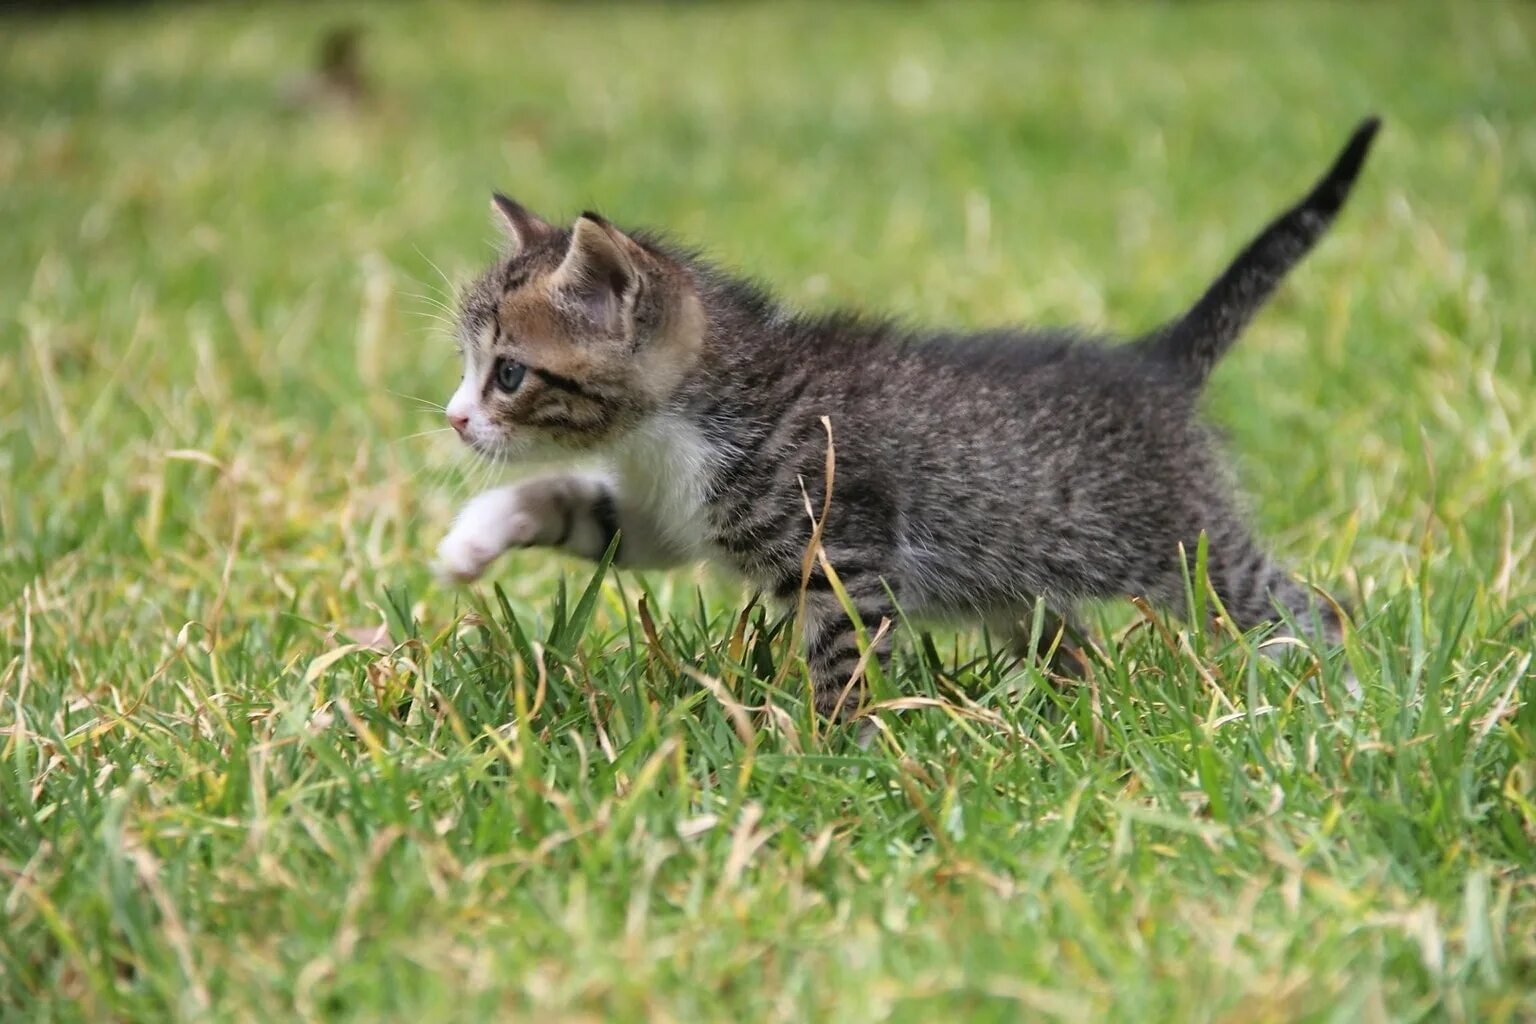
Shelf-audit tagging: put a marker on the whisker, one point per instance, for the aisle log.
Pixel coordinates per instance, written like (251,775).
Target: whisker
(434,300)
(418,399)
(421,433)
(485,475)
(449,284)
(447,319)
(429,315)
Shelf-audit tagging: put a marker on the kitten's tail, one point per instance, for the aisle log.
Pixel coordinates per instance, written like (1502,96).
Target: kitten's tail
(1201,336)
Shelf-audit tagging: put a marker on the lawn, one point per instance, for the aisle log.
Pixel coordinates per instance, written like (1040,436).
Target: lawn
(256,765)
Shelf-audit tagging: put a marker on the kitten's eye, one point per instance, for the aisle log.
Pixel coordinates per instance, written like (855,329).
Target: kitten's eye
(509,374)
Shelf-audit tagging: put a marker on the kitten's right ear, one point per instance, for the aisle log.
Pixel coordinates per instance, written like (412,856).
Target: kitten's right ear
(523,226)
(601,270)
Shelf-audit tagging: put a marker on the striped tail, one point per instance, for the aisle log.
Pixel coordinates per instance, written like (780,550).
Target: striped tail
(1196,340)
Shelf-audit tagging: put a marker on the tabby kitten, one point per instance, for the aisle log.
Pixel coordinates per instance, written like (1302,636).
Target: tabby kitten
(975,473)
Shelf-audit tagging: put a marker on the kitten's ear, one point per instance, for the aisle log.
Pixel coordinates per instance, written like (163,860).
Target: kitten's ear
(601,269)
(523,226)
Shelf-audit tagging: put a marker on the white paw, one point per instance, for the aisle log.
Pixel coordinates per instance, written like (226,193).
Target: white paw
(523,515)
(487,526)
(463,557)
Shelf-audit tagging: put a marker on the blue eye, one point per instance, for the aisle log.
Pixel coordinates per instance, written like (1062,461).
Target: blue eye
(509,374)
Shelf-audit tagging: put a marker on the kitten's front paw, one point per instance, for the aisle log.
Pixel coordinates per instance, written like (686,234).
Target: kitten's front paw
(523,515)
(462,559)
(473,544)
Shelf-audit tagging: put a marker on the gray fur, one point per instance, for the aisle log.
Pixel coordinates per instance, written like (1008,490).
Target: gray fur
(975,473)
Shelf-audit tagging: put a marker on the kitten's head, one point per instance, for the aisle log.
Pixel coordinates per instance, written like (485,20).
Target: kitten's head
(571,338)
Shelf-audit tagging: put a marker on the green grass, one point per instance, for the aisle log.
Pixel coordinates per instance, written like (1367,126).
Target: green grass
(217,314)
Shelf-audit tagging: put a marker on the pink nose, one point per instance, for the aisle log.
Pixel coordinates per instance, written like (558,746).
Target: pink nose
(460,423)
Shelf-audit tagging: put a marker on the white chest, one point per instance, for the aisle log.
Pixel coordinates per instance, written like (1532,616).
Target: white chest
(664,467)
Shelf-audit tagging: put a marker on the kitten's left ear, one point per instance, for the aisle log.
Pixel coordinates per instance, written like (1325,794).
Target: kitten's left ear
(601,269)
(523,225)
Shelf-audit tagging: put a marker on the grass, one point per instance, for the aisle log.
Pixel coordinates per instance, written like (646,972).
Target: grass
(218,803)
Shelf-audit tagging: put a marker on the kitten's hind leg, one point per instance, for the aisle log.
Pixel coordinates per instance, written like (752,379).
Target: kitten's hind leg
(832,642)
(1059,648)
(1254,589)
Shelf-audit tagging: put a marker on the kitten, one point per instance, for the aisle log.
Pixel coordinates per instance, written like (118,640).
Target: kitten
(974,473)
